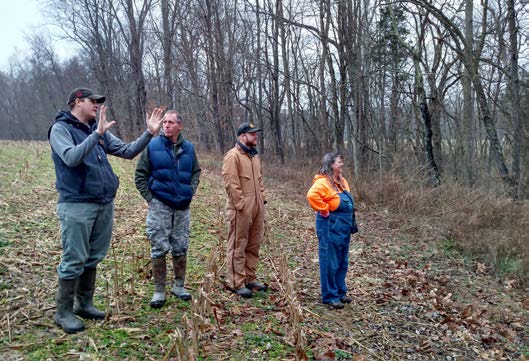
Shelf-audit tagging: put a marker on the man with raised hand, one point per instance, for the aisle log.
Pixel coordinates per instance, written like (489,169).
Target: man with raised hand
(87,186)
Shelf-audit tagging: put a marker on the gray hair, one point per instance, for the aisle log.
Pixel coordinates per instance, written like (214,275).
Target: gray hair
(178,116)
(326,168)
(328,161)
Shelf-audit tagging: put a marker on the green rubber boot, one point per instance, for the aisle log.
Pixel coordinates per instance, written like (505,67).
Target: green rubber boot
(64,315)
(84,297)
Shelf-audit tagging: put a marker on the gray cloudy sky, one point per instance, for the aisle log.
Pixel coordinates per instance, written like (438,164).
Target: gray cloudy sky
(17,17)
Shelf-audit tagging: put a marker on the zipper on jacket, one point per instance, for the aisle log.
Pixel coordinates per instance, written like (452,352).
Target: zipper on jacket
(253,176)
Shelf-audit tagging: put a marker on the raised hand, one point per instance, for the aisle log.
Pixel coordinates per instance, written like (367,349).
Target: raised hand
(155,120)
(102,124)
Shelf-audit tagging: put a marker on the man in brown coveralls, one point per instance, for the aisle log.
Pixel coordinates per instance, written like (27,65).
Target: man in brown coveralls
(243,181)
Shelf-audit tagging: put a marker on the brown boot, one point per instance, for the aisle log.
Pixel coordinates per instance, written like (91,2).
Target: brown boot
(159,273)
(179,265)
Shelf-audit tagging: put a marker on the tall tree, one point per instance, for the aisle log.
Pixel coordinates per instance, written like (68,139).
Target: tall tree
(423,102)
(471,61)
(389,51)
(170,15)
(514,85)
(468,98)
(133,32)
(92,25)
(276,95)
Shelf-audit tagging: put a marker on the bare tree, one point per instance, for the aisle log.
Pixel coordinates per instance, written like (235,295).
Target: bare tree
(423,103)
(315,74)
(276,97)
(133,34)
(514,85)
(471,61)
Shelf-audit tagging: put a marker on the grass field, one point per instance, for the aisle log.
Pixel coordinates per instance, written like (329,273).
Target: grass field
(415,295)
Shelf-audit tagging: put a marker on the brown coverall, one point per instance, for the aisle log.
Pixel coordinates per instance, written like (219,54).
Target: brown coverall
(243,182)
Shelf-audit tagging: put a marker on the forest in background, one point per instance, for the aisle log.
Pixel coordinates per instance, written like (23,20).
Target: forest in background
(433,88)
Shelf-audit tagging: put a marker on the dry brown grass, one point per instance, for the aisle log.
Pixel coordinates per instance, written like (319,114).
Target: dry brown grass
(400,276)
(479,224)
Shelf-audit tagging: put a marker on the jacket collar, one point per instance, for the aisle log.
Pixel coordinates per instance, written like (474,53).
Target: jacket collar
(178,142)
(252,152)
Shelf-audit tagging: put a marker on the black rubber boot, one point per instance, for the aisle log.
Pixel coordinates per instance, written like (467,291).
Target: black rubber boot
(256,286)
(244,292)
(179,265)
(64,316)
(159,273)
(84,297)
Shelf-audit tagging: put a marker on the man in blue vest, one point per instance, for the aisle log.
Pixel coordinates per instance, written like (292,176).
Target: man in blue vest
(167,177)
(87,187)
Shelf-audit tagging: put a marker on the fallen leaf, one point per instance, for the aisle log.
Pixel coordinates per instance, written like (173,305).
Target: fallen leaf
(525,304)
(327,356)
(481,268)
(509,284)
(467,312)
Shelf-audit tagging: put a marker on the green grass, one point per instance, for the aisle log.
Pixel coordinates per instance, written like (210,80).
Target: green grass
(404,251)
(4,243)
(506,265)
(524,351)
(48,351)
(263,344)
(509,265)
(343,355)
(448,246)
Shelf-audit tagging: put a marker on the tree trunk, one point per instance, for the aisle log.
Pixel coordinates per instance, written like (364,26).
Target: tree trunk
(495,145)
(468,101)
(275,99)
(514,85)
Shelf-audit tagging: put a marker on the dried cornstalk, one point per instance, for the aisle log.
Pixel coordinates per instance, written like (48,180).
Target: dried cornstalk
(179,346)
(288,293)
(116,280)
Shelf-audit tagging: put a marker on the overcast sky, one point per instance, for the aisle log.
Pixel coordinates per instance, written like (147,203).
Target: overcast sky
(17,18)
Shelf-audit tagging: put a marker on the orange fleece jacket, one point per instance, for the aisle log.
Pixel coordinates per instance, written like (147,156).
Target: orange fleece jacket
(322,196)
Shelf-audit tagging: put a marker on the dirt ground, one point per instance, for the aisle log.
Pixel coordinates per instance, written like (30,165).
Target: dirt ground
(414,298)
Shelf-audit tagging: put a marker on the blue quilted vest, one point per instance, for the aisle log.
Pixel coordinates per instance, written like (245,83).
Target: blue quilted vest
(170,179)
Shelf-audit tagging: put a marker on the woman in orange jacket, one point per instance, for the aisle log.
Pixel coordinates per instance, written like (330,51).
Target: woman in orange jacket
(330,197)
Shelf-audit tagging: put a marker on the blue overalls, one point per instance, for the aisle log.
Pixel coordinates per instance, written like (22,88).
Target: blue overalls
(334,235)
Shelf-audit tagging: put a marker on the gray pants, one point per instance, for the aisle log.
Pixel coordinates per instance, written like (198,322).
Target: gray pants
(86,229)
(167,229)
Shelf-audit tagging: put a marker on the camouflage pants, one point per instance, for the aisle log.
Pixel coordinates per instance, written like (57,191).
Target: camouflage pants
(167,230)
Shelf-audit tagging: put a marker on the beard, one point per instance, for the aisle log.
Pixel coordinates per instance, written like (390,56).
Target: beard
(250,143)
